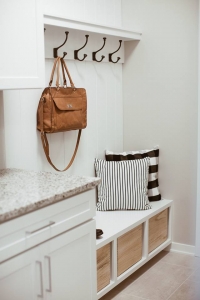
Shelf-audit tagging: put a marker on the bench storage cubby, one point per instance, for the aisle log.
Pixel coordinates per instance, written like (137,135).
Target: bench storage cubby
(129,249)
(158,229)
(103,266)
(130,239)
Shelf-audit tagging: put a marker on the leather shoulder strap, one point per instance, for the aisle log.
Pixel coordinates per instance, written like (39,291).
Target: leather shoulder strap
(63,74)
(57,60)
(68,74)
(46,150)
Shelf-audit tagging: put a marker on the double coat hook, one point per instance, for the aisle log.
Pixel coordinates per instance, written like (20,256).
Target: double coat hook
(76,51)
(55,50)
(94,53)
(111,54)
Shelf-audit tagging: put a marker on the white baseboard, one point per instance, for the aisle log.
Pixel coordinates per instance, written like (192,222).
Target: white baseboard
(181,248)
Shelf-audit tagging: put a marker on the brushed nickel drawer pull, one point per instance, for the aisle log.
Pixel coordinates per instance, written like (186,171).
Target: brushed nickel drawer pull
(41,280)
(49,268)
(50,223)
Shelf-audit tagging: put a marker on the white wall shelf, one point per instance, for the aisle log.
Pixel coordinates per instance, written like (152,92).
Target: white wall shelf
(123,34)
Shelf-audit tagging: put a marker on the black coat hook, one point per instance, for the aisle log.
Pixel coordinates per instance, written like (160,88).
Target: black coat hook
(94,53)
(64,54)
(55,50)
(111,54)
(76,51)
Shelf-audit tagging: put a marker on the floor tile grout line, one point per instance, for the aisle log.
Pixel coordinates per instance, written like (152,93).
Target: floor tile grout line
(134,296)
(193,270)
(178,287)
(192,274)
(178,265)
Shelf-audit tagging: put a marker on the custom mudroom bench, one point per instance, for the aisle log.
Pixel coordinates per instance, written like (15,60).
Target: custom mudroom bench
(130,239)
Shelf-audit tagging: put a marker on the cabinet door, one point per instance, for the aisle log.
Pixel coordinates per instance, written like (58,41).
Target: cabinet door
(21,277)
(70,264)
(22,44)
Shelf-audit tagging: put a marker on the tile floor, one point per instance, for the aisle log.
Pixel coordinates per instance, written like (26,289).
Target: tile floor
(168,275)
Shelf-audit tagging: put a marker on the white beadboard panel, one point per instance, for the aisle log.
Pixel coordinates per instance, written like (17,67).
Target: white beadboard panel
(110,13)
(94,11)
(111,105)
(119,109)
(100,12)
(101,93)
(118,17)
(23,147)
(28,133)
(48,69)
(2,135)
(90,11)
(12,125)
(103,83)
(65,8)
(91,130)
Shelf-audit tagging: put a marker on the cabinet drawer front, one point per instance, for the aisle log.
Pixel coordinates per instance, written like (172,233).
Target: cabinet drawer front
(129,249)
(29,230)
(103,267)
(158,229)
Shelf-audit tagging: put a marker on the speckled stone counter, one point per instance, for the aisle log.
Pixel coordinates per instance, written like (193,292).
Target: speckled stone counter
(25,191)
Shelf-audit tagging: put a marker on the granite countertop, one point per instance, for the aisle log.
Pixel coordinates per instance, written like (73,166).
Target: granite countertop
(23,191)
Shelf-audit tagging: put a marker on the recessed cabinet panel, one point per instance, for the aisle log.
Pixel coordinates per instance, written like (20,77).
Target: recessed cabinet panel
(158,230)
(22,44)
(103,267)
(69,265)
(129,249)
(20,277)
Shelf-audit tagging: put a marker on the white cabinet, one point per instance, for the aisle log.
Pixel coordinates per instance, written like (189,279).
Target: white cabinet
(51,253)
(68,262)
(18,277)
(53,270)
(22,44)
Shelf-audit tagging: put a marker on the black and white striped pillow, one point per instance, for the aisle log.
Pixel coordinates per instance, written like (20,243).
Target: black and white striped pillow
(123,184)
(153,154)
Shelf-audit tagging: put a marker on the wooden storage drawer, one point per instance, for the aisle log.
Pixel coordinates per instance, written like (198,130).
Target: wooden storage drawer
(103,267)
(129,249)
(158,229)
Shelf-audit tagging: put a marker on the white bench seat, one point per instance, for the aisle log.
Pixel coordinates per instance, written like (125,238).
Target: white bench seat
(117,223)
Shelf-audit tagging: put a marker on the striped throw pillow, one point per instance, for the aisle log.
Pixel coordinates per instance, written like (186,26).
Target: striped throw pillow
(153,154)
(123,184)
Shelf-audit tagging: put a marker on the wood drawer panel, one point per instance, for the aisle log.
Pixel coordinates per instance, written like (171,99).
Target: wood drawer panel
(129,249)
(103,267)
(158,229)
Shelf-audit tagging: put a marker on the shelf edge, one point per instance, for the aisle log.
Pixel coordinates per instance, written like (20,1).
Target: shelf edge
(125,35)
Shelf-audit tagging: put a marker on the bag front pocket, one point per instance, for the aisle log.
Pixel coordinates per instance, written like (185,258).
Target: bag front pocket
(69,114)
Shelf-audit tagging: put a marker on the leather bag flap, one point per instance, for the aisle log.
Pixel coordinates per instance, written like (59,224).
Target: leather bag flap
(68,103)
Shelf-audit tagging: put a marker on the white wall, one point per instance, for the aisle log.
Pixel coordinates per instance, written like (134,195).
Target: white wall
(103,82)
(197,246)
(160,98)
(2,136)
